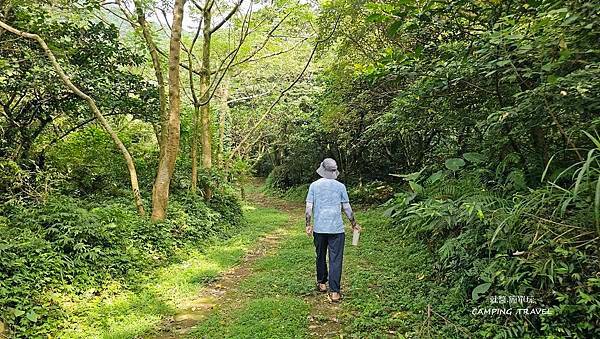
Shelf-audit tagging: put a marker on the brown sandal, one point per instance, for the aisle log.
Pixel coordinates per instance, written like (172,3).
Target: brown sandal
(334,300)
(322,290)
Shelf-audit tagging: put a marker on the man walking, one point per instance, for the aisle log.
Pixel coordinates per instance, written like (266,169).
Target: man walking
(326,198)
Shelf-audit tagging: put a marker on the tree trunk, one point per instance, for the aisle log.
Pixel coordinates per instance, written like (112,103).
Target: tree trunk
(92,104)
(206,136)
(195,125)
(151,45)
(194,148)
(170,143)
(222,119)
(538,138)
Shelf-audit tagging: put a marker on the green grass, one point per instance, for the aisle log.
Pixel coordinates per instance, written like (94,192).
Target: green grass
(264,317)
(386,287)
(269,303)
(390,286)
(294,194)
(121,312)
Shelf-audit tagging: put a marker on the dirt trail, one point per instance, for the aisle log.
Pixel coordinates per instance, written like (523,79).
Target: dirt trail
(324,316)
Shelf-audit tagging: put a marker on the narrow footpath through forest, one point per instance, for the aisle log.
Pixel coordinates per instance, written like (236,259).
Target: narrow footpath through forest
(270,293)
(260,283)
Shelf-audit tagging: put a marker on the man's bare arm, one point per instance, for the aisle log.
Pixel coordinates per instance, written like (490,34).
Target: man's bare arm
(308,216)
(348,211)
(308,212)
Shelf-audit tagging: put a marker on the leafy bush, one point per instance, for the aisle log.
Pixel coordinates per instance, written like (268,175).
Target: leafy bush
(375,192)
(492,239)
(68,245)
(20,184)
(91,164)
(279,179)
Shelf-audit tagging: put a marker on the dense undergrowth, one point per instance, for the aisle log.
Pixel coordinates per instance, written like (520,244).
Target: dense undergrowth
(491,246)
(64,245)
(473,240)
(476,243)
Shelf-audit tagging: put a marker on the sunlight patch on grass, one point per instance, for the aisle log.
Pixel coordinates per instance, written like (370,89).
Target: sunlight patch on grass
(289,271)
(124,315)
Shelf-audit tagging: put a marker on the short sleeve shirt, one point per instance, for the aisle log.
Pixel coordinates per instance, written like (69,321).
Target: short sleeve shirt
(327,196)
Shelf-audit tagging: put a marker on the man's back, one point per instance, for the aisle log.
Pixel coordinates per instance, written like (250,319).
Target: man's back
(327,196)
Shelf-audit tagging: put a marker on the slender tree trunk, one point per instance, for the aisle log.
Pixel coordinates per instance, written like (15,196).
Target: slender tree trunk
(166,164)
(194,148)
(195,126)
(92,104)
(202,134)
(222,119)
(206,136)
(538,138)
(156,64)
(568,140)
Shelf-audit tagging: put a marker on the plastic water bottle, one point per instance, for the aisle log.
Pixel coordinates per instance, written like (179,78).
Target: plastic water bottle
(355,237)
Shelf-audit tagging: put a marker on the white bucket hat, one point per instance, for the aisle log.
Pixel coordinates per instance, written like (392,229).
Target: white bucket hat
(328,169)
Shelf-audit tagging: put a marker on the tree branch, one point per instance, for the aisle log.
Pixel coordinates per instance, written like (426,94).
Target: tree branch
(226,18)
(92,104)
(282,94)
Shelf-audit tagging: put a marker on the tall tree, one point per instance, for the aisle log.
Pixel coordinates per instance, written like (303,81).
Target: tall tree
(138,21)
(170,143)
(223,113)
(92,104)
(202,115)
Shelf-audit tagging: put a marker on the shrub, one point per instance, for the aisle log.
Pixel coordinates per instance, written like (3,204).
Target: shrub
(279,179)
(488,238)
(70,245)
(375,192)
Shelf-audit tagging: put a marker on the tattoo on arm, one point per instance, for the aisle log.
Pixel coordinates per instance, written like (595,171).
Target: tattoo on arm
(349,213)
(308,213)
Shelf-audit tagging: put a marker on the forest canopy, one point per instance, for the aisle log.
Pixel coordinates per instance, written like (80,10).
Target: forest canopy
(130,131)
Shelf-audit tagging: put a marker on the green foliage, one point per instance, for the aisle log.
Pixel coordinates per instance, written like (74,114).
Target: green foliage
(484,103)
(390,288)
(226,203)
(372,193)
(123,311)
(454,164)
(409,84)
(294,194)
(279,179)
(21,184)
(488,239)
(90,163)
(65,245)
(39,110)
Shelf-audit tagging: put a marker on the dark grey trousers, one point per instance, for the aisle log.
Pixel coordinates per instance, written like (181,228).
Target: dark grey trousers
(335,244)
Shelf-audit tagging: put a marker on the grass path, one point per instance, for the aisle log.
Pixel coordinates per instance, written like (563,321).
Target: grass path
(260,284)
(224,292)
(175,297)
(270,294)
(385,286)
